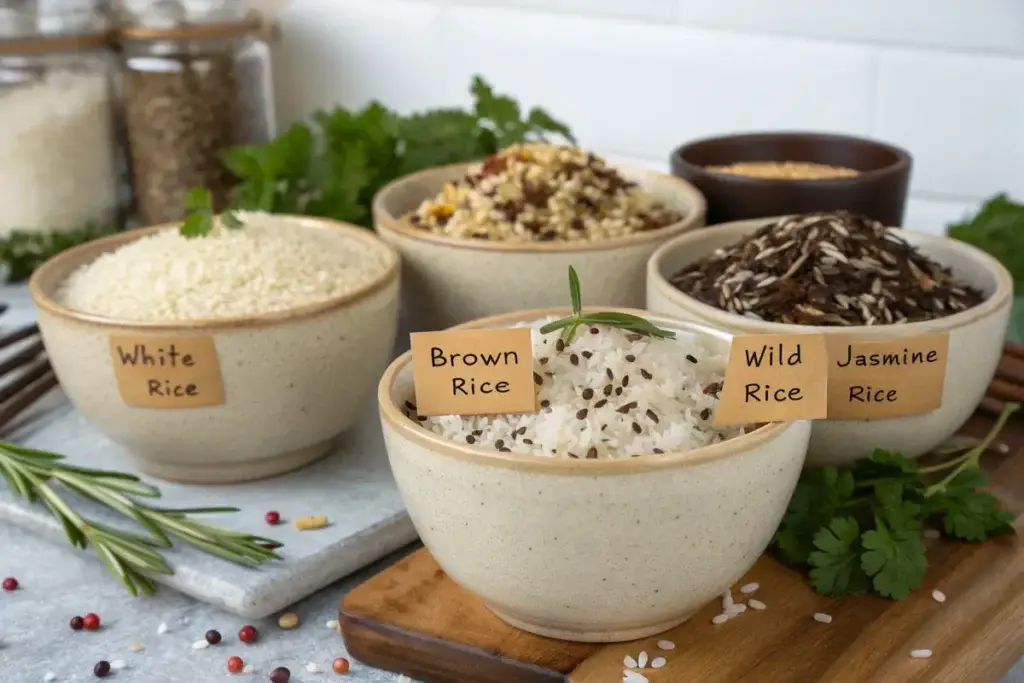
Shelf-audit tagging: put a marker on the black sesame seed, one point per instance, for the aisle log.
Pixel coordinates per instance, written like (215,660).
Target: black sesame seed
(627,407)
(586,354)
(691,358)
(581,414)
(608,390)
(625,381)
(574,359)
(478,432)
(470,438)
(637,428)
(521,431)
(594,330)
(601,403)
(618,392)
(608,371)
(630,357)
(537,379)
(634,337)
(646,375)
(653,415)
(658,451)
(591,453)
(559,345)
(528,442)
(504,450)
(499,444)
(543,361)
(545,403)
(705,414)
(572,455)
(410,405)
(588,394)
(421,418)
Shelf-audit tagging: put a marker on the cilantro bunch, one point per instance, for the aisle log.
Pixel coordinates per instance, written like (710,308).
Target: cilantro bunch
(333,167)
(859,529)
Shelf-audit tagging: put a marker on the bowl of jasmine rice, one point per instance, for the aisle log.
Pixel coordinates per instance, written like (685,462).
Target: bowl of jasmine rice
(228,357)
(618,509)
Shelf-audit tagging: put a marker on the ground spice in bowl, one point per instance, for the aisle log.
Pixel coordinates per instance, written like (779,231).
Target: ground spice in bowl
(833,269)
(785,170)
(539,192)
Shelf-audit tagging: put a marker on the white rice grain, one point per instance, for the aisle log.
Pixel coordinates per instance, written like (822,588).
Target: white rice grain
(161,629)
(666,645)
(629,662)
(117,664)
(312,668)
(720,619)
(921,654)
(823,618)
(610,395)
(629,676)
(50,676)
(270,264)
(200,645)
(641,661)
(756,604)
(750,588)
(332,624)
(727,600)
(657,662)
(938,596)
(248,669)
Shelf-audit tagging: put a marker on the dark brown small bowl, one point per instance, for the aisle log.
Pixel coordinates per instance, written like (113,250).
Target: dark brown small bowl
(879,191)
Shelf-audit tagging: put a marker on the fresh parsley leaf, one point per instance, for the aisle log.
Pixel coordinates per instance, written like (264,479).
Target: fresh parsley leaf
(819,495)
(894,558)
(200,216)
(22,251)
(836,564)
(231,220)
(196,224)
(970,514)
(891,506)
(997,228)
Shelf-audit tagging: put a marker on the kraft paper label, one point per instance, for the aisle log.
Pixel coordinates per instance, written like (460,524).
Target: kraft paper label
(886,378)
(167,372)
(774,378)
(474,372)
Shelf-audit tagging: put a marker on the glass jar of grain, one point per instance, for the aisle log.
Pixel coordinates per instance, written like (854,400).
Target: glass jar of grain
(196,82)
(58,149)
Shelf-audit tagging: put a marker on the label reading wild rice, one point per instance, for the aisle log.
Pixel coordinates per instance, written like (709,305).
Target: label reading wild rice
(774,378)
(474,372)
(886,378)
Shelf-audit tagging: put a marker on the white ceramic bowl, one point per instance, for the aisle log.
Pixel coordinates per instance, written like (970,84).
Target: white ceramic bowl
(293,380)
(591,550)
(449,281)
(975,339)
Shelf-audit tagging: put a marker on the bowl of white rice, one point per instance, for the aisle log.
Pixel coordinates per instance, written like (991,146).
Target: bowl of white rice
(229,357)
(618,509)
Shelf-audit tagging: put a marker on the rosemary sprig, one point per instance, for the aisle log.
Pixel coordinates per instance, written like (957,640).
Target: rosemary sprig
(130,556)
(624,321)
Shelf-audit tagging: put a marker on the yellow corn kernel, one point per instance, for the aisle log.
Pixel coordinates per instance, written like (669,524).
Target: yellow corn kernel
(288,620)
(311,522)
(442,210)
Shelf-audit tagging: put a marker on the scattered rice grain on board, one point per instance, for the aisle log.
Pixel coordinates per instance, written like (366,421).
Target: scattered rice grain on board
(629,662)
(666,645)
(921,654)
(657,662)
(536,192)
(270,264)
(823,618)
(642,660)
(756,604)
(727,600)
(720,619)
(601,406)
(938,596)
(633,677)
(749,588)
(736,609)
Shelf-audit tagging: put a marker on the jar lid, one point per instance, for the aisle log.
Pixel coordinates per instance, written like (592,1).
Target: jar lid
(53,44)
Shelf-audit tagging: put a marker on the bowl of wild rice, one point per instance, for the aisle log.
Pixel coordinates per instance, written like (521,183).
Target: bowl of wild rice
(497,236)
(618,509)
(229,357)
(755,175)
(846,275)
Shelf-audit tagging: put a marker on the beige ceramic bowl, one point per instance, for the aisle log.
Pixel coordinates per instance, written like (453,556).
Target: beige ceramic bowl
(449,281)
(975,340)
(293,380)
(596,551)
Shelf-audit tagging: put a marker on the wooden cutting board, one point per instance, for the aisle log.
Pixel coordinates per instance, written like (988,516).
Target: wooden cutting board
(411,618)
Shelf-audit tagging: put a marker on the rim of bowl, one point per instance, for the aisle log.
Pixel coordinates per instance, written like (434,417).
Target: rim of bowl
(89,251)
(711,315)
(694,200)
(902,163)
(739,445)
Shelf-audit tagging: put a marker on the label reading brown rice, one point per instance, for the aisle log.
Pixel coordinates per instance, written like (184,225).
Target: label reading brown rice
(773,378)
(167,372)
(886,378)
(474,372)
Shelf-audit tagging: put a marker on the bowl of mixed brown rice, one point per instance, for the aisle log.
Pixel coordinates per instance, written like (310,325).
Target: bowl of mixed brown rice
(847,277)
(497,236)
(615,511)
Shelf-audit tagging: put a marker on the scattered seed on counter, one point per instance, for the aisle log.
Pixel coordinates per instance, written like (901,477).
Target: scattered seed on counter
(50,676)
(727,600)
(311,522)
(332,624)
(756,605)
(666,645)
(288,620)
(823,618)
(136,647)
(938,596)
(213,637)
(920,654)
(161,629)
(91,621)
(248,634)
(340,665)
(201,644)
(720,619)
(536,192)
(272,518)
(76,623)
(118,664)
(826,269)
(280,675)
(248,669)
(235,664)
(10,584)
(312,668)
(736,610)
(749,588)
(101,669)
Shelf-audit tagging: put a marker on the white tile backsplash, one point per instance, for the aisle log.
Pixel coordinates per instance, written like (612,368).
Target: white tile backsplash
(634,78)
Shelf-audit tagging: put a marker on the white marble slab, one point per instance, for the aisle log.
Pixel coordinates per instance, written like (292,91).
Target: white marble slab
(353,487)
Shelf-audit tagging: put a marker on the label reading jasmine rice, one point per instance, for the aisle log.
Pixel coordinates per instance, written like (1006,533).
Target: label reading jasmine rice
(473,372)
(167,372)
(774,378)
(886,378)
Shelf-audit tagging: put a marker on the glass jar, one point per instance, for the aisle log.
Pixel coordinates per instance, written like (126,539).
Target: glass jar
(58,149)
(196,83)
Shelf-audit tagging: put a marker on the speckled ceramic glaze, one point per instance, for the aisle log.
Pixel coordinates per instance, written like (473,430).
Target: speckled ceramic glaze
(450,281)
(975,340)
(591,550)
(293,380)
